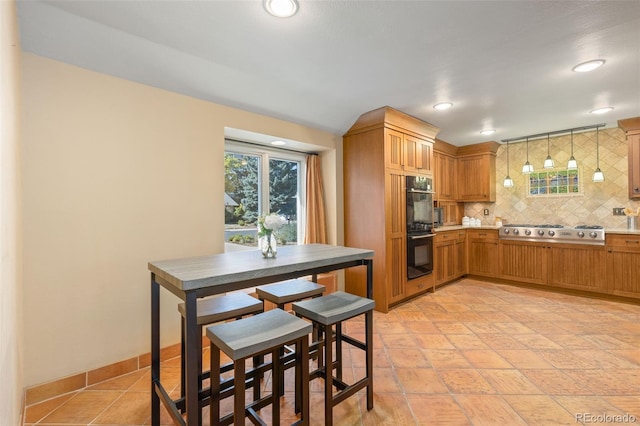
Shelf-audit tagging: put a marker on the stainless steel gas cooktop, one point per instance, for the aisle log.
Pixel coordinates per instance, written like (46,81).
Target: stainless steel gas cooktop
(581,234)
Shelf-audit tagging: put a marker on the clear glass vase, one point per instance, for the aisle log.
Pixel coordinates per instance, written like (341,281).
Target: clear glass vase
(268,245)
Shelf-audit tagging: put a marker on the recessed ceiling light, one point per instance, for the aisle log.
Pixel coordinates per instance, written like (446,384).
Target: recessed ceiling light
(589,65)
(601,110)
(278,143)
(488,132)
(443,105)
(281,8)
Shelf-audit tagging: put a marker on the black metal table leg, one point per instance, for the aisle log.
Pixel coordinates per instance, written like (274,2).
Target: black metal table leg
(155,349)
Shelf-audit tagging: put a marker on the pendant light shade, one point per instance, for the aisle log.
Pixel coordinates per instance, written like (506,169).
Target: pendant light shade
(598,176)
(528,167)
(548,162)
(572,164)
(508,182)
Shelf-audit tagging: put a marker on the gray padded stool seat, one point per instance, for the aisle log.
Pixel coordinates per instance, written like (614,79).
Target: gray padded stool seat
(254,336)
(289,291)
(325,312)
(217,309)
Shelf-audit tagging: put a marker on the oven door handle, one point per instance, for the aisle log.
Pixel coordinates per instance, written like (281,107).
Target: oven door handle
(420,191)
(417,237)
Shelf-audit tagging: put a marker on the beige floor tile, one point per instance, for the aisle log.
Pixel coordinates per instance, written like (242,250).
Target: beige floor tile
(540,410)
(485,359)
(509,382)
(525,359)
(466,381)
(37,411)
(435,410)
(407,358)
(489,410)
(83,407)
(389,409)
(466,341)
(420,380)
(446,358)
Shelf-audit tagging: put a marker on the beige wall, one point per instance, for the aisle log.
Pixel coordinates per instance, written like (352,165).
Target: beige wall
(117,174)
(11,379)
(593,207)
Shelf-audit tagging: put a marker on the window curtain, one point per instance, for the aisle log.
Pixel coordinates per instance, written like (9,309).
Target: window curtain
(316,231)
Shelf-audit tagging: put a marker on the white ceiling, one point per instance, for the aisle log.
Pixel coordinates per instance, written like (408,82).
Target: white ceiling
(504,64)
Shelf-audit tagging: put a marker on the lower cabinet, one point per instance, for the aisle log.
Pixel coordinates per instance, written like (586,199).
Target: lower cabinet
(623,265)
(482,252)
(449,256)
(523,261)
(578,267)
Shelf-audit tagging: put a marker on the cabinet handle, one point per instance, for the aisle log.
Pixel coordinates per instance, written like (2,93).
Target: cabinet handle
(610,251)
(632,241)
(482,234)
(636,189)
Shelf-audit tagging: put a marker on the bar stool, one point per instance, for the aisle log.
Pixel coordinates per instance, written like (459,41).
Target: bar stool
(217,309)
(254,336)
(325,312)
(286,292)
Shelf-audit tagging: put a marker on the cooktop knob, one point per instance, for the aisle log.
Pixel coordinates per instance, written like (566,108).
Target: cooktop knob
(528,232)
(540,232)
(592,234)
(516,231)
(581,234)
(552,233)
(506,230)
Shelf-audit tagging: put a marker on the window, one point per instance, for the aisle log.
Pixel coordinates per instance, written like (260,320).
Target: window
(554,183)
(261,180)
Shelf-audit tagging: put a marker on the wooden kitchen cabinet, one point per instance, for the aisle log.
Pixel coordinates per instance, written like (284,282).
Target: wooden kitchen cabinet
(578,267)
(631,126)
(482,252)
(380,149)
(477,172)
(452,212)
(449,256)
(444,177)
(623,265)
(407,153)
(524,261)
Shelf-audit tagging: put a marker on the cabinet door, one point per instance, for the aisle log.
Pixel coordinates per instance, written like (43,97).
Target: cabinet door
(634,166)
(524,261)
(394,149)
(460,257)
(424,156)
(445,176)
(482,253)
(578,267)
(623,265)
(476,178)
(396,259)
(444,257)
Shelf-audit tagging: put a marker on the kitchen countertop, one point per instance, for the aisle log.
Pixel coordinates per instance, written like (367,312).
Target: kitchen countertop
(623,231)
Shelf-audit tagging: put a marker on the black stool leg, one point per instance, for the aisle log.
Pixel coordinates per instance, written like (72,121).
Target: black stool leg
(339,351)
(214,403)
(328,377)
(182,361)
(276,376)
(239,377)
(368,322)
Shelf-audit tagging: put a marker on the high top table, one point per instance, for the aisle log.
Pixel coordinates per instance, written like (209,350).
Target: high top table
(196,277)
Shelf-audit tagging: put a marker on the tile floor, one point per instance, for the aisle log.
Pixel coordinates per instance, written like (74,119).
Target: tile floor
(473,353)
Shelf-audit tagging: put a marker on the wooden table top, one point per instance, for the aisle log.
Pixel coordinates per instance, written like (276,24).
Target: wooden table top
(205,271)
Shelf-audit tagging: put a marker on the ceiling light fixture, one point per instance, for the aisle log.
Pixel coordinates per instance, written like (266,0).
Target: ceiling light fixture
(598,176)
(528,167)
(442,106)
(281,8)
(589,65)
(572,164)
(508,182)
(488,132)
(601,110)
(278,143)
(548,162)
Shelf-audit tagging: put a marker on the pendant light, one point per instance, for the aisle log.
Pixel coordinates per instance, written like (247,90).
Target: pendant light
(527,168)
(508,182)
(548,162)
(572,164)
(598,176)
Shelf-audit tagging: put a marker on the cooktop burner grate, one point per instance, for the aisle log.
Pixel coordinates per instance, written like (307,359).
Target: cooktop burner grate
(589,227)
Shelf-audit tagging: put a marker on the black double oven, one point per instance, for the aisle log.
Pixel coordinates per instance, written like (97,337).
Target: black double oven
(420,223)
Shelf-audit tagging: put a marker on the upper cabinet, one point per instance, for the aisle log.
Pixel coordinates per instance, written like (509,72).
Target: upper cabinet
(477,172)
(445,171)
(631,126)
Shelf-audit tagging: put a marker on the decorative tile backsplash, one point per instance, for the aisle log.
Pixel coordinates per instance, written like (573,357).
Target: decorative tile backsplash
(593,207)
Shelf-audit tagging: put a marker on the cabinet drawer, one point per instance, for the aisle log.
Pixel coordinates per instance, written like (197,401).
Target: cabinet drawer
(485,234)
(419,285)
(443,236)
(631,242)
